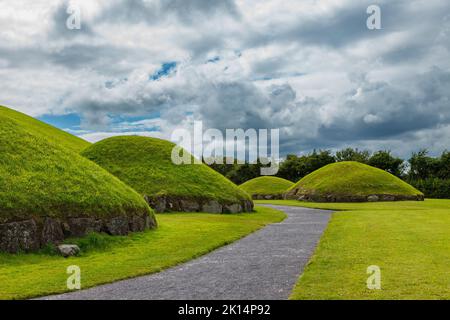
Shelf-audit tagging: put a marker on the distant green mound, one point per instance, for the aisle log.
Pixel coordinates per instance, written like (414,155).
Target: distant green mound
(266,187)
(145,164)
(352,182)
(49,192)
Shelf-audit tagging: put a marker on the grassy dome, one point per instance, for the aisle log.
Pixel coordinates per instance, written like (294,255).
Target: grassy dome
(352,181)
(266,187)
(145,164)
(42,176)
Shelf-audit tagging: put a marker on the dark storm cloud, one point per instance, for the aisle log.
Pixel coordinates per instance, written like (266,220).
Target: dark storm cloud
(74,56)
(155,11)
(389,111)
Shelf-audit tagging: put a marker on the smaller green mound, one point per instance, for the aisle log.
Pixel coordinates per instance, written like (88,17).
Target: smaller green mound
(350,181)
(146,165)
(266,187)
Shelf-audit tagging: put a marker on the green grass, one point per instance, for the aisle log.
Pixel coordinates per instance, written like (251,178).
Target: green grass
(145,164)
(179,237)
(353,178)
(409,241)
(42,174)
(266,185)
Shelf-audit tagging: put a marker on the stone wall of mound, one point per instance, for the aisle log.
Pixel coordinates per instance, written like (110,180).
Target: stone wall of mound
(34,233)
(182,204)
(293,195)
(267,196)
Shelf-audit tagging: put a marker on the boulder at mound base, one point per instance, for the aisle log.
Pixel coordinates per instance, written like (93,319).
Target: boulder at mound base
(352,182)
(266,187)
(145,164)
(48,192)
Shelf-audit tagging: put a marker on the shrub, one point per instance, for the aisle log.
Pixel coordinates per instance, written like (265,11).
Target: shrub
(433,187)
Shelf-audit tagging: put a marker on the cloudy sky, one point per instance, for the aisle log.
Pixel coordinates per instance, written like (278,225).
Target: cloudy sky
(308,67)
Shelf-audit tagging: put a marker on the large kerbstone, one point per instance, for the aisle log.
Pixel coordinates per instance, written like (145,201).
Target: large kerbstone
(212,206)
(52,231)
(190,205)
(118,226)
(159,204)
(232,208)
(77,227)
(19,236)
(247,205)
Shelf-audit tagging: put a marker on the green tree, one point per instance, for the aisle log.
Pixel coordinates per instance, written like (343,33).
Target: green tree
(295,168)
(350,154)
(384,160)
(444,166)
(422,166)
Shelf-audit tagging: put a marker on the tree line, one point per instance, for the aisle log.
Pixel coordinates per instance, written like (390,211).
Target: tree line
(431,175)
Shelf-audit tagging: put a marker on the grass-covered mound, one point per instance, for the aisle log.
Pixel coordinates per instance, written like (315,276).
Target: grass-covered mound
(49,192)
(266,187)
(146,165)
(352,182)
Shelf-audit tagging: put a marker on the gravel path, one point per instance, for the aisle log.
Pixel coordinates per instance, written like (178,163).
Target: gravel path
(263,265)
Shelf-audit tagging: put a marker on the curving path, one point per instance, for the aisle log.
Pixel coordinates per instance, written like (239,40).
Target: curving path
(263,265)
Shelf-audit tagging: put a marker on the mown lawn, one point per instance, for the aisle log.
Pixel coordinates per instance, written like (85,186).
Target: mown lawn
(178,238)
(409,241)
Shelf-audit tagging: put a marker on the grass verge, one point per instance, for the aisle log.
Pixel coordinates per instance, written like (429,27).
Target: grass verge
(409,241)
(179,238)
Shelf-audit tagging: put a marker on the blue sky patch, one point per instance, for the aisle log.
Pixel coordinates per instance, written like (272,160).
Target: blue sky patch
(166,69)
(64,121)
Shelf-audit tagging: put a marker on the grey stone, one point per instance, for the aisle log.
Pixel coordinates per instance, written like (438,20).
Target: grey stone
(189,205)
(387,197)
(158,203)
(52,232)
(212,206)
(247,205)
(150,222)
(117,226)
(78,227)
(232,208)
(19,235)
(373,198)
(68,250)
(137,224)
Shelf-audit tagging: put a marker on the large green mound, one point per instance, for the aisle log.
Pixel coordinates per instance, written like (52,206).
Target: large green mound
(352,181)
(49,192)
(266,187)
(145,164)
